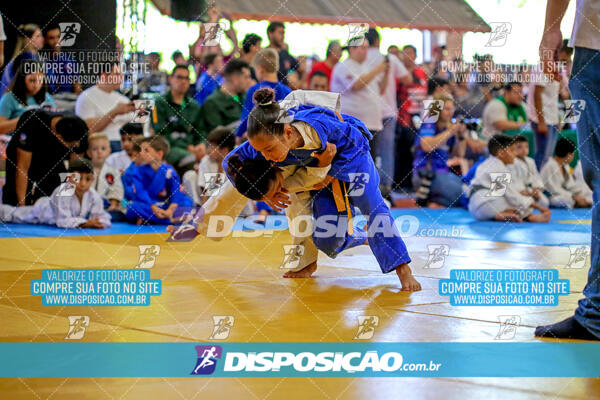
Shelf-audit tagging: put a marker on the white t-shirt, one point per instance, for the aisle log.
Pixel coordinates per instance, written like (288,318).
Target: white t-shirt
(94,103)
(549,98)
(586,29)
(389,102)
(119,161)
(2,34)
(494,111)
(364,104)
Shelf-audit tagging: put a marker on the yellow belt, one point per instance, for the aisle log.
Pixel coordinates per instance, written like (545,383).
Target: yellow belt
(341,201)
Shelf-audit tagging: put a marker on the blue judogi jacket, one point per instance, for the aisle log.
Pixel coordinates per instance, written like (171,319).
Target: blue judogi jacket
(154,187)
(350,136)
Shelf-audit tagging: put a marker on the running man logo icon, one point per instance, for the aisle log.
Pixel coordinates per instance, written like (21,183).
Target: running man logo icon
(499,34)
(207,359)
(214,182)
(508,327)
(213,32)
(356,33)
(437,255)
(500,182)
(366,327)
(432,110)
(77,326)
(143,109)
(358,183)
(222,327)
(287,110)
(291,256)
(573,110)
(68,33)
(578,256)
(68,181)
(188,229)
(148,255)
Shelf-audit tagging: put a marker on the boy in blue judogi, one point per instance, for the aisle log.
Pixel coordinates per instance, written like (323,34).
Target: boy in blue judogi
(156,197)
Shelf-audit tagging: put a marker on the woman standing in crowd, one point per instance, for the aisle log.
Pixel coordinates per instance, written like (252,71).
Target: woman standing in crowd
(30,41)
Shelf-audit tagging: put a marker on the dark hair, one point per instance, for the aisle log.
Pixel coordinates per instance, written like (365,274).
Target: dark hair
(235,66)
(18,86)
(132,128)
(265,115)
(81,165)
(50,27)
(250,40)
(563,147)
(210,58)
(372,36)
(222,137)
(251,177)
(274,25)
(158,143)
(509,86)
(435,83)
(154,54)
(319,73)
(180,66)
(72,128)
(499,142)
(330,47)
(176,54)
(410,46)
(566,48)
(520,139)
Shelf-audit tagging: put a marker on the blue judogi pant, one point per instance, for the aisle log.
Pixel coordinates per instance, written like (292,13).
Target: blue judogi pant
(585,85)
(384,239)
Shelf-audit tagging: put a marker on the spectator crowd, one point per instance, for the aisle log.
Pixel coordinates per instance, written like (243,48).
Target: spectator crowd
(449,133)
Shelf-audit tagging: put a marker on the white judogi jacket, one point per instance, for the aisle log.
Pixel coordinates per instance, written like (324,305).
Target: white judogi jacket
(108,183)
(561,189)
(586,191)
(64,211)
(119,160)
(525,172)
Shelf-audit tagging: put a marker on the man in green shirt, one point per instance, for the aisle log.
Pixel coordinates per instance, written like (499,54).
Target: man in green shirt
(178,118)
(224,105)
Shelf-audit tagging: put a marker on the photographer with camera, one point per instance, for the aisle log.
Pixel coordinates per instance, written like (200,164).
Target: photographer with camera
(435,144)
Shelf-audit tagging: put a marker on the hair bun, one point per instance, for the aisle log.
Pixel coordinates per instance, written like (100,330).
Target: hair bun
(234,165)
(264,97)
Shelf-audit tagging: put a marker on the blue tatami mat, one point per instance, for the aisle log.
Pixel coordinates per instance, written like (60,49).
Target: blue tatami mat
(566,227)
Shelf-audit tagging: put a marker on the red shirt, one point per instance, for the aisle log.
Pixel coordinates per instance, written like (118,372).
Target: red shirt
(410,97)
(323,67)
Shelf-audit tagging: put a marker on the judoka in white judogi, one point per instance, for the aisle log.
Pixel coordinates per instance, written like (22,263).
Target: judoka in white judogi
(586,191)
(493,191)
(108,183)
(560,184)
(525,176)
(62,211)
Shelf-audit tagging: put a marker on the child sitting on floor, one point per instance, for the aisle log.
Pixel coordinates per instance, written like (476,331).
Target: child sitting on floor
(525,173)
(73,204)
(157,196)
(121,159)
(494,195)
(564,191)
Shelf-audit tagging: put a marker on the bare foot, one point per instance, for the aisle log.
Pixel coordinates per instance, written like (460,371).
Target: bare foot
(139,221)
(170,228)
(305,272)
(544,217)
(431,204)
(508,216)
(408,281)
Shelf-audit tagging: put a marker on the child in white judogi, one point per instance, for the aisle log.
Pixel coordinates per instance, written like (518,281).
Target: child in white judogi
(107,180)
(493,194)
(586,191)
(564,191)
(524,173)
(73,204)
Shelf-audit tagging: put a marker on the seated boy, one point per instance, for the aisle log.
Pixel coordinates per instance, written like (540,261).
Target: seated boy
(564,192)
(209,175)
(586,191)
(121,159)
(525,173)
(493,195)
(107,180)
(73,204)
(157,196)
